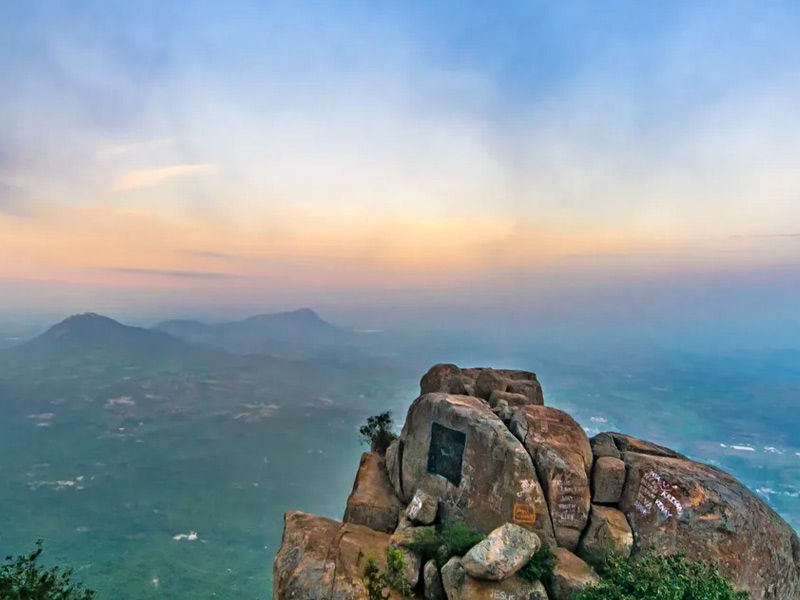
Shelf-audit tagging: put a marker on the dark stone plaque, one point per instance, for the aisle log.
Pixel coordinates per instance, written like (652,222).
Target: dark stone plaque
(446,452)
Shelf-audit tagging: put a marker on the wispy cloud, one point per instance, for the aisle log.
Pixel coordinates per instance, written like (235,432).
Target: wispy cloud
(141,178)
(174,273)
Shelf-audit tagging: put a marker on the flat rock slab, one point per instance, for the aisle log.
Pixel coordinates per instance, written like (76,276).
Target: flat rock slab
(457,450)
(322,559)
(504,552)
(372,502)
(678,505)
(459,585)
(563,458)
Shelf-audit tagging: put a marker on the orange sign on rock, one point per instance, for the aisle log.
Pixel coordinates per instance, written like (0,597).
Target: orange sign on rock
(524,513)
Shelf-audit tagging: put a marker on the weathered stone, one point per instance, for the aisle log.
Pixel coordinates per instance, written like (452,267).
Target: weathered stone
(321,559)
(458,585)
(413,561)
(563,458)
(497,483)
(678,505)
(442,378)
(607,534)
(392,461)
(513,400)
(627,443)
(531,389)
(422,508)
(489,381)
(504,552)
(432,582)
(603,445)
(372,502)
(608,479)
(570,575)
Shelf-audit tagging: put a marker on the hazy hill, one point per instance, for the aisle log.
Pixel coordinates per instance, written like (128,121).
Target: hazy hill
(297,332)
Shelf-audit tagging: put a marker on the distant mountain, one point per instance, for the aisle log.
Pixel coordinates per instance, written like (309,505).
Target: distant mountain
(90,337)
(298,332)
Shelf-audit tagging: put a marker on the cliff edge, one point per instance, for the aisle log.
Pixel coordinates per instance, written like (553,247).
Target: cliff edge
(479,446)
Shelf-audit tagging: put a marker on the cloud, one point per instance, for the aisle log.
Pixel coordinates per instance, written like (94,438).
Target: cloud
(141,178)
(15,201)
(174,273)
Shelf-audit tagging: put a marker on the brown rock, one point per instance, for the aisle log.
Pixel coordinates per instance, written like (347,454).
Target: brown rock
(413,562)
(608,479)
(321,559)
(512,400)
(392,461)
(607,534)
(489,381)
(530,389)
(457,450)
(627,443)
(444,378)
(563,458)
(677,505)
(570,575)
(603,445)
(504,552)
(372,502)
(432,582)
(422,508)
(458,585)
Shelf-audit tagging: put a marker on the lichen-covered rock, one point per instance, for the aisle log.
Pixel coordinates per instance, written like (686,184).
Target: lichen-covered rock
(444,378)
(432,582)
(422,508)
(372,502)
(570,575)
(458,585)
(563,458)
(674,504)
(608,479)
(457,450)
(321,559)
(504,552)
(608,533)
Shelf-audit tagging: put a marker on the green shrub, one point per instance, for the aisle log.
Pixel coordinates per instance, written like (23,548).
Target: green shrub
(540,566)
(373,581)
(653,577)
(22,578)
(377,432)
(376,581)
(453,538)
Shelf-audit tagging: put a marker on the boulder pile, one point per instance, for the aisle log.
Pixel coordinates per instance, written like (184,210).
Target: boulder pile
(479,446)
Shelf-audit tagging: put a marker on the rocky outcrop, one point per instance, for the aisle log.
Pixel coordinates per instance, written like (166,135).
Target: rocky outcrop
(479,445)
(321,559)
(372,502)
(456,449)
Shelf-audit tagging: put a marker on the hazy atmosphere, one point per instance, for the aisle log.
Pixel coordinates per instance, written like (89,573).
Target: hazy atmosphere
(271,218)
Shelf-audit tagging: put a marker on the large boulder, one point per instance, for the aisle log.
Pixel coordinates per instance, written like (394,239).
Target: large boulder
(413,562)
(321,559)
(432,582)
(422,508)
(504,552)
(563,458)
(677,505)
(458,585)
(607,534)
(445,378)
(372,502)
(456,449)
(570,575)
(489,381)
(608,479)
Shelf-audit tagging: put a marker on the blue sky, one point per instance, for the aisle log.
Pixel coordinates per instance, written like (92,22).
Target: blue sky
(267,153)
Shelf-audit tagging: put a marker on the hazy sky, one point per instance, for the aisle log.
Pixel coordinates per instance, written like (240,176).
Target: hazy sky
(533,155)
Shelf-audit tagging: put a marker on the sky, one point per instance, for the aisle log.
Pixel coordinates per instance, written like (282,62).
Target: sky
(486,160)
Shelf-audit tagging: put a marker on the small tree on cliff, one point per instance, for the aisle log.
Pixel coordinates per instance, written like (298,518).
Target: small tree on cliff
(377,432)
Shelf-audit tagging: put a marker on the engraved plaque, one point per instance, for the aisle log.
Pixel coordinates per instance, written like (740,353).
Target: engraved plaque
(446,453)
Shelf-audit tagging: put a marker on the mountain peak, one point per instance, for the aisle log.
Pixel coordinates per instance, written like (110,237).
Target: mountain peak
(83,324)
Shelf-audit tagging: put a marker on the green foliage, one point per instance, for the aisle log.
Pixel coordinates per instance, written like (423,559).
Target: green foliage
(376,581)
(22,578)
(540,566)
(377,432)
(453,538)
(652,577)
(373,581)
